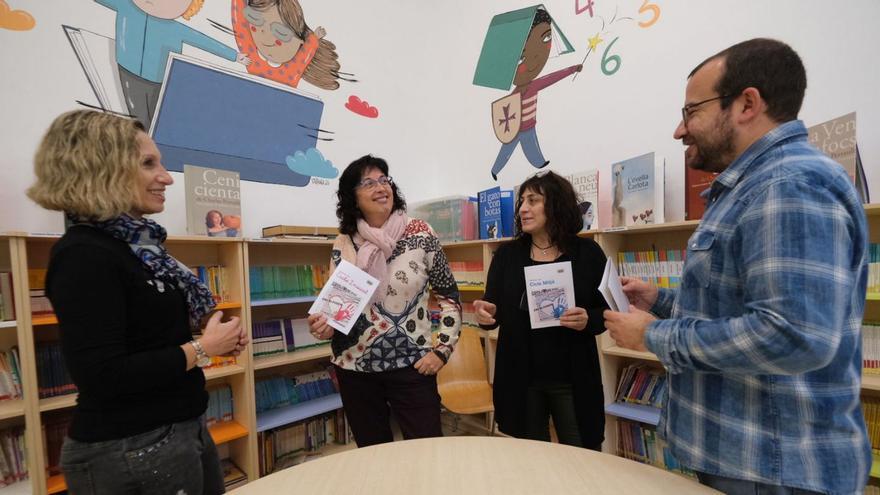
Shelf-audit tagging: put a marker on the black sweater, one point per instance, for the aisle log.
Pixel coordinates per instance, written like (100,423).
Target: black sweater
(561,354)
(121,339)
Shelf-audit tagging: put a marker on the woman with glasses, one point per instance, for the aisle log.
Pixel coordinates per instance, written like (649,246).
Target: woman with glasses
(389,360)
(547,372)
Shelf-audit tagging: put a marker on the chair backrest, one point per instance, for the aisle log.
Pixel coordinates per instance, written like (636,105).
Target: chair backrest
(467,363)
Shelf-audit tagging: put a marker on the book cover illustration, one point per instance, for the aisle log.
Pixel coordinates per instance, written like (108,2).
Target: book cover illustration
(637,188)
(549,292)
(837,139)
(213,202)
(489,204)
(344,296)
(695,183)
(586,185)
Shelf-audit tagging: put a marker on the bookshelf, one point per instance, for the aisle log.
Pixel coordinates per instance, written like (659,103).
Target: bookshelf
(238,439)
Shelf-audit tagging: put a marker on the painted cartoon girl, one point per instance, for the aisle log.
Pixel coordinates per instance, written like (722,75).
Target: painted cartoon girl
(515,50)
(274,34)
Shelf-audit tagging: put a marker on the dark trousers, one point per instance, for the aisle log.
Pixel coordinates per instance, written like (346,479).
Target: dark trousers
(732,486)
(175,458)
(544,400)
(370,398)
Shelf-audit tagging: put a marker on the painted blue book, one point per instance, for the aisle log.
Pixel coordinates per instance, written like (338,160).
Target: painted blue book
(489,203)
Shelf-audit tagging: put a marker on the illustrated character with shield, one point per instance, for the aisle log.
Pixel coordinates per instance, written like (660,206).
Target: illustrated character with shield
(515,50)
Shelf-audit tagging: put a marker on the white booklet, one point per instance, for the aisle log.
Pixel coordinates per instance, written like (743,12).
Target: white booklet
(611,289)
(344,296)
(550,291)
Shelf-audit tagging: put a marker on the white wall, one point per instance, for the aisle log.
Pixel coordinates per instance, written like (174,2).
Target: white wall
(416,59)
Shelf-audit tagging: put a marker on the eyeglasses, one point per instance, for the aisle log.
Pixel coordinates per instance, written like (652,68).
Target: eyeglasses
(369,183)
(686,110)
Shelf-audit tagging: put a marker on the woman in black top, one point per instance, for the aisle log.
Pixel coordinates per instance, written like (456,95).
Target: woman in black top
(125,310)
(547,371)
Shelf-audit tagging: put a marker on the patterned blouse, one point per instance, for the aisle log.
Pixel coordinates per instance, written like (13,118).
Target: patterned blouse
(396,332)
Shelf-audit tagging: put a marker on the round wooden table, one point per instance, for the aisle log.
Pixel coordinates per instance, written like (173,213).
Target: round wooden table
(480,465)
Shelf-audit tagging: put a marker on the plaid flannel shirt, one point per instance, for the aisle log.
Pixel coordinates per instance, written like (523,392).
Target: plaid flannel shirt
(762,341)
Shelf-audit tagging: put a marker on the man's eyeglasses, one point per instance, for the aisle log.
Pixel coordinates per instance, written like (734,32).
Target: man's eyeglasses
(369,183)
(687,109)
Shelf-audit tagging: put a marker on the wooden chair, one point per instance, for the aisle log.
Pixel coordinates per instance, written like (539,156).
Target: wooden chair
(464,383)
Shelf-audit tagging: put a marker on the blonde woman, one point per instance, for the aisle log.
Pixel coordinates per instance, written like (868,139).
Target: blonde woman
(125,310)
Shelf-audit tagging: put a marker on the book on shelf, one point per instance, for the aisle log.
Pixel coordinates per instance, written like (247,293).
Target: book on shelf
(837,139)
(219,404)
(344,296)
(695,183)
(489,205)
(300,231)
(7,298)
(586,185)
(638,187)
(232,474)
(213,201)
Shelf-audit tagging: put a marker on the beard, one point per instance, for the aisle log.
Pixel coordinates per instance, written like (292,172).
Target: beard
(713,150)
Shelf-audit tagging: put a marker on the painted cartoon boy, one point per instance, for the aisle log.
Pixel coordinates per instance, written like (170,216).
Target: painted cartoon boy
(146,33)
(515,116)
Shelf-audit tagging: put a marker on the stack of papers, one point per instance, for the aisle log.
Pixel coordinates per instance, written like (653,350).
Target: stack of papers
(612,290)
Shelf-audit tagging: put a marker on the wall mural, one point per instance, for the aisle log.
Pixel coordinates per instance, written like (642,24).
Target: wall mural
(515,50)
(648,14)
(269,132)
(15,20)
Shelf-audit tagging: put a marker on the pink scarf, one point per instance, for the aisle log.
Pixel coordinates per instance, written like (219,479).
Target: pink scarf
(376,246)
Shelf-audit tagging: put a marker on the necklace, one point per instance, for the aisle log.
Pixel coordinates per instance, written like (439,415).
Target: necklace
(543,249)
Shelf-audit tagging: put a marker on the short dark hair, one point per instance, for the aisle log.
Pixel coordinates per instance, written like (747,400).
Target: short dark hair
(770,66)
(564,219)
(347,210)
(541,15)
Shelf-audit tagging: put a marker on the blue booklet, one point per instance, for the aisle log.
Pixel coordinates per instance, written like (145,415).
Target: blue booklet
(489,203)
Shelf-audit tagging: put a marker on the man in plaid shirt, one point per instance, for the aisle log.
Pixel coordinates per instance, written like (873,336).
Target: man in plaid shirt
(762,340)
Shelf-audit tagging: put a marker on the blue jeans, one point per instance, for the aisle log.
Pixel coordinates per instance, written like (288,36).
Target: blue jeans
(179,458)
(529,142)
(732,486)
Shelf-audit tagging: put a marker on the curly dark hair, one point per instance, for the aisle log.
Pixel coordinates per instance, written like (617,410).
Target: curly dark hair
(564,219)
(347,210)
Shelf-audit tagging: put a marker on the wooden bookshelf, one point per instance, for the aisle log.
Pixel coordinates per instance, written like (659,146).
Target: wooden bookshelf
(42,320)
(11,409)
(227,431)
(300,356)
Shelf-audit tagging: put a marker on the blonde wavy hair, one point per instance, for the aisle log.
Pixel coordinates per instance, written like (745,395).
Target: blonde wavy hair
(87,165)
(193,9)
(323,70)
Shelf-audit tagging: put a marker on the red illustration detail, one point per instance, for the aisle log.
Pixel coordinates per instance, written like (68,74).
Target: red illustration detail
(361,107)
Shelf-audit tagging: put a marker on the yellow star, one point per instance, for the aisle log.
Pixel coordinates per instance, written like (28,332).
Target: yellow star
(594,41)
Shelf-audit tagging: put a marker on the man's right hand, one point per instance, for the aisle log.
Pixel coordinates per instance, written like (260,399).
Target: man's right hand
(485,312)
(640,294)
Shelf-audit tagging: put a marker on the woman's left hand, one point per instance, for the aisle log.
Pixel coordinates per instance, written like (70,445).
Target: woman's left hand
(574,318)
(430,364)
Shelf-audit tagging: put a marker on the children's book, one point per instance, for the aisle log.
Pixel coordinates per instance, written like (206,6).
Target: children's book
(549,291)
(489,204)
(213,202)
(837,139)
(695,183)
(586,185)
(637,191)
(345,296)
(508,204)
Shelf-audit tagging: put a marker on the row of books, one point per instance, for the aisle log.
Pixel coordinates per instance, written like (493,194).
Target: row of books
(55,427)
(283,447)
(7,298)
(281,335)
(871,410)
(280,391)
(871,348)
(13,456)
(215,278)
(641,443)
(10,375)
(275,282)
(660,267)
(53,378)
(640,384)
(219,405)
(468,273)
(874,269)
